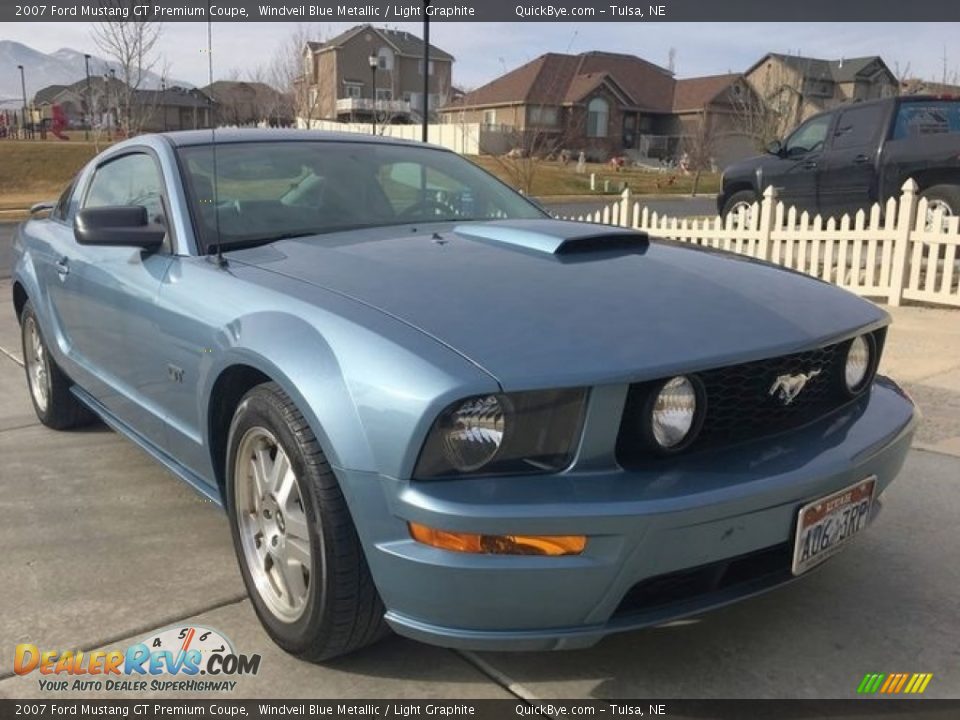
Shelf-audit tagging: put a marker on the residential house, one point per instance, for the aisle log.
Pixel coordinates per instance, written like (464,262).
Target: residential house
(172,108)
(604,104)
(249,103)
(796,87)
(100,102)
(338,80)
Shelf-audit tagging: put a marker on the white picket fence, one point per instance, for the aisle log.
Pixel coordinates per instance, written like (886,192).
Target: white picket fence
(893,253)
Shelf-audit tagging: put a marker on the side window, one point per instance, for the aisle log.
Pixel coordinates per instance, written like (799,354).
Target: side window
(128,180)
(62,209)
(857,126)
(809,137)
(917,119)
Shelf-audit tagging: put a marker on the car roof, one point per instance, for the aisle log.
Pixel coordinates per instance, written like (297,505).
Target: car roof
(185,138)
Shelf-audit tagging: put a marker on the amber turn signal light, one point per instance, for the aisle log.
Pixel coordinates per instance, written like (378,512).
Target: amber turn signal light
(498,544)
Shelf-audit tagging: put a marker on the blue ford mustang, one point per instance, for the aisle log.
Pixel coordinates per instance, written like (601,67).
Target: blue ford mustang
(428,406)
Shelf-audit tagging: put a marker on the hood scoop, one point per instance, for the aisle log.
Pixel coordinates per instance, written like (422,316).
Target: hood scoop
(557,237)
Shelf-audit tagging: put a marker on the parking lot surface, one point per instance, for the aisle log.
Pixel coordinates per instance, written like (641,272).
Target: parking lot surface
(104,547)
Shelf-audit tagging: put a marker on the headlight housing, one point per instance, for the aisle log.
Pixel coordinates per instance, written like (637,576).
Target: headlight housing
(860,363)
(673,414)
(505,433)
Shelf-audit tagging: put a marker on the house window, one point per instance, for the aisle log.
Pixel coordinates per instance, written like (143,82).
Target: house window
(308,65)
(598,118)
(313,98)
(489,117)
(543,116)
(385,59)
(408,97)
(354,91)
(420,67)
(384,94)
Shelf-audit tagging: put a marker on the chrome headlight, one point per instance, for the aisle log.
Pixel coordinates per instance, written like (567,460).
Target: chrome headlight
(674,414)
(860,364)
(510,433)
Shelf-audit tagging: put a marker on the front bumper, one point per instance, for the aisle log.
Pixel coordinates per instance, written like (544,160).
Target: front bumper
(694,533)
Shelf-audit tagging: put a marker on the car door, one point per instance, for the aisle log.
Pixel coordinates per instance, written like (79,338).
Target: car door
(795,173)
(848,172)
(111,322)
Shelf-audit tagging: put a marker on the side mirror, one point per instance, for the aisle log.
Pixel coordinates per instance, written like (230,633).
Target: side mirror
(775,148)
(121,226)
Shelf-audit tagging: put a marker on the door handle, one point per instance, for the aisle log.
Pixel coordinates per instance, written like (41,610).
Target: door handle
(810,165)
(861,159)
(63,267)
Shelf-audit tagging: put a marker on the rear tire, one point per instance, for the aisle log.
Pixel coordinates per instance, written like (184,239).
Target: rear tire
(55,405)
(946,197)
(299,553)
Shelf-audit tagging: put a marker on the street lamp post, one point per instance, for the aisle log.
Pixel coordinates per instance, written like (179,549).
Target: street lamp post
(87,104)
(426,70)
(374,62)
(23,88)
(110,87)
(163,101)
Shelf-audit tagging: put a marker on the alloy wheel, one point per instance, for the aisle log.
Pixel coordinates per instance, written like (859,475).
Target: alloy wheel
(274,532)
(38,371)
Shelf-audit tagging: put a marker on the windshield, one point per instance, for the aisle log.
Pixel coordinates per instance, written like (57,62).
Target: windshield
(272,190)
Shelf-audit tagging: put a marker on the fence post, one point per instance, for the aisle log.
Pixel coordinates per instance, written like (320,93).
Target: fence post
(906,218)
(625,219)
(767,216)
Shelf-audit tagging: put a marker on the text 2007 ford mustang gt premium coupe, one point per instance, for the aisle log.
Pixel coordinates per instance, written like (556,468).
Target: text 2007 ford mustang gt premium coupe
(427,405)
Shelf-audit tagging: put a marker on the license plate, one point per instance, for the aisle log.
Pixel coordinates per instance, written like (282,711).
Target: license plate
(825,525)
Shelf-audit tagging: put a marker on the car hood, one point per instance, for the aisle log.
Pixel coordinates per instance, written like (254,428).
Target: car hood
(552,303)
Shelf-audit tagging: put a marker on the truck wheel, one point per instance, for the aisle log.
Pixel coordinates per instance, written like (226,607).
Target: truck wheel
(299,553)
(741,199)
(55,405)
(942,197)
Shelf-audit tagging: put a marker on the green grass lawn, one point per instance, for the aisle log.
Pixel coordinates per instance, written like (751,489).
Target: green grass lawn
(35,170)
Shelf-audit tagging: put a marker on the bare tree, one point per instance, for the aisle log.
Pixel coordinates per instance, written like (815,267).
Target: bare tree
(291,72)
(131,46)
(698,147)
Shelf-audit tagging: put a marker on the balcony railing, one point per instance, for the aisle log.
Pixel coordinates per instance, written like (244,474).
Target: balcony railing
(396,107)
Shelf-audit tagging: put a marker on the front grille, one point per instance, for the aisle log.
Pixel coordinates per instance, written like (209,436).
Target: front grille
(739,402)
(760,568)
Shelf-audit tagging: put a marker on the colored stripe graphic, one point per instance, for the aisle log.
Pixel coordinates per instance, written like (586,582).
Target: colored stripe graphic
(894,683)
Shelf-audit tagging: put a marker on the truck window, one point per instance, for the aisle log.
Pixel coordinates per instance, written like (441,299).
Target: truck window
(809,137)
(917,119)
(857,126)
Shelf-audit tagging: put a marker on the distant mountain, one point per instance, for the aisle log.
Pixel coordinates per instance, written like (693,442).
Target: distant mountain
(63,67)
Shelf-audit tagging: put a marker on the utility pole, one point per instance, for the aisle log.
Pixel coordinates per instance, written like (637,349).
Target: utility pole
(87,105)
(426,70)
(23,87)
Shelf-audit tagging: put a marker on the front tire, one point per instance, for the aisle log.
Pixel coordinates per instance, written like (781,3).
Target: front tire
(740,199)
(298,550)
(55,405)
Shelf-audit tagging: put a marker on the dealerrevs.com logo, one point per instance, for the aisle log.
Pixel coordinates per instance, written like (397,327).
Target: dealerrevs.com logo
(177,659)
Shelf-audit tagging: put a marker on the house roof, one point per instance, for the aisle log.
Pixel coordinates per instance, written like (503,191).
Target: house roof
(556,78)
(696,93)
(843,70)
(222,90)
(173,97)
(403,43)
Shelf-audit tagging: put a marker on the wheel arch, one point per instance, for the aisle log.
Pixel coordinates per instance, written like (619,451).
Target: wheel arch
(20,298)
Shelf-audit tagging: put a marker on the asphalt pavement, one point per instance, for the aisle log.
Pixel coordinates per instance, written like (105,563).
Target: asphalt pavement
(6,242)
(102,547)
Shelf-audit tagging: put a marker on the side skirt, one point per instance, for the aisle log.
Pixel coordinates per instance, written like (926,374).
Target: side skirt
(188,476)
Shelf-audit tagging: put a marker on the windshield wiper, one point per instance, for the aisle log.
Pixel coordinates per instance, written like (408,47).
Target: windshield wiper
(256,242)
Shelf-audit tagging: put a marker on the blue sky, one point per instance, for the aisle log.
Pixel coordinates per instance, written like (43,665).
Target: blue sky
(485,50)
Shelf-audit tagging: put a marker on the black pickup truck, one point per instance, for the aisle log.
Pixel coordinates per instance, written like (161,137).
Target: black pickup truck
(855,155)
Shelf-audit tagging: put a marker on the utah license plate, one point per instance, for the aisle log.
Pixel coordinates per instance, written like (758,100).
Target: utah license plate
(825,525)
